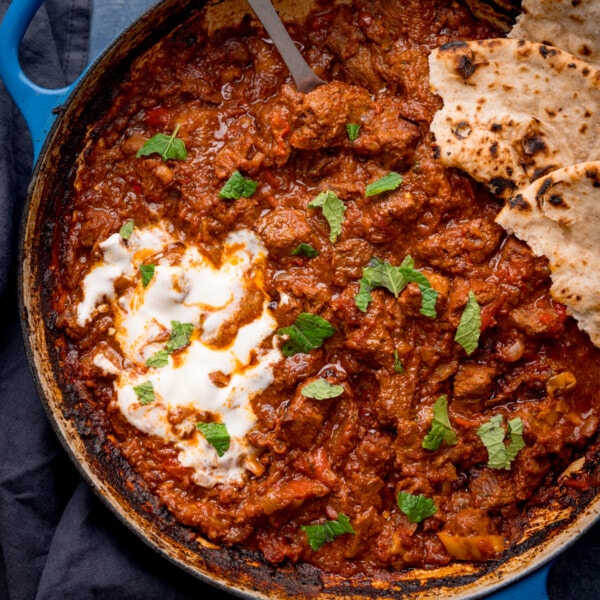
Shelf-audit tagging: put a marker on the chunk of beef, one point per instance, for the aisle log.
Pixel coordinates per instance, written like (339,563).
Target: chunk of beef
(461,244)
(407,69)
(268,73)
(324,114)
(474,382)
(275,119)
(238,151)
(282,229)
(539,317)
(345,37)
(302,421)
(388,136)
(492,488)
(349,43)
(319,119)
(519,264)
(372,340)
(470,521)
(299,289)
(349,258)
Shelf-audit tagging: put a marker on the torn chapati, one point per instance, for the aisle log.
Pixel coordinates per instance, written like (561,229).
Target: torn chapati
(559,217)
(521,117)
(571,26)
(513,110)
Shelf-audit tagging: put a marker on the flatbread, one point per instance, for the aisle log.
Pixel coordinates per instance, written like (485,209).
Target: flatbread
(568,25)
(559,217)
(513,110)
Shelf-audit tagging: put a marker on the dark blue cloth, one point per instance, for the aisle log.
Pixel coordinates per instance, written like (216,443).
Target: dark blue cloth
(57,540)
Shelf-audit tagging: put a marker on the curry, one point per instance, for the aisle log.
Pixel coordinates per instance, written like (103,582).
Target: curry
(304,335)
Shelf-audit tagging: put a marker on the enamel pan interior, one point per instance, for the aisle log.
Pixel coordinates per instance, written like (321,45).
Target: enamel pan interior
(238,572)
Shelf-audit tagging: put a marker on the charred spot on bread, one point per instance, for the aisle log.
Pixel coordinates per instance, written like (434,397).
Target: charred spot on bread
(499,185)
(519,203)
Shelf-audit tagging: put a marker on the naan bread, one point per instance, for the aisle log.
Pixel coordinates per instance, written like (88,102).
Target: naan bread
(559,217)
(568,25)
(513,110)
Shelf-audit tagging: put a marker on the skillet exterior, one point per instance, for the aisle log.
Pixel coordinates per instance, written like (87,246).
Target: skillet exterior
(237,572)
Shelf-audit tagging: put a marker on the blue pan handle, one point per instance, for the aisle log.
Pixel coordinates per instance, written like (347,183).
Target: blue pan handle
(37,104)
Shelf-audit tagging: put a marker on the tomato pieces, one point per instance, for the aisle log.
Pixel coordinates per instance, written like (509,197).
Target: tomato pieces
(156,117)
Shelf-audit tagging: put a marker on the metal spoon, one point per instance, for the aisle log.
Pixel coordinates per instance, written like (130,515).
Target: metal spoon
(304,77)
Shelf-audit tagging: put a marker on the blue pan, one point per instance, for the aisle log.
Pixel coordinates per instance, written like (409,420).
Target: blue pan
(57,120)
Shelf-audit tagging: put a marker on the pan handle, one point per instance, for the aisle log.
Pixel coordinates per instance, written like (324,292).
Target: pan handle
(37,104)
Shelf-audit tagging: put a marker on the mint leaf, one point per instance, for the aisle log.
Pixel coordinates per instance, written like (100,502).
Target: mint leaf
(147,272)
(167,146)
(305,250)
(216,435)
(237,186)
(158,359)
(517,443)
(333,211)
(307,333)
(428,294)
(180,336)
(363,298)
(428,301)
(469,328)
(318,535)
(441,430)
(386,183)
(353,129)
(398,368)
(416,508)
(127,229)
(381,273)
(321,389)
(145,393)
(492,434)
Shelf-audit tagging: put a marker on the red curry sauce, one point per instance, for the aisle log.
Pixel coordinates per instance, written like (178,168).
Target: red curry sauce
(351,455)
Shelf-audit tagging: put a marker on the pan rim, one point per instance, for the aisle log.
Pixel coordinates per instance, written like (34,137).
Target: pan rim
(497,576)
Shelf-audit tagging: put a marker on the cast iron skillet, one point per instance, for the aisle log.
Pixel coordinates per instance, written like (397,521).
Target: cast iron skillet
(58,120)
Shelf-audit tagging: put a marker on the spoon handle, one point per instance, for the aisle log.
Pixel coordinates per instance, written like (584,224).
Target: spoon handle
(304,77)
